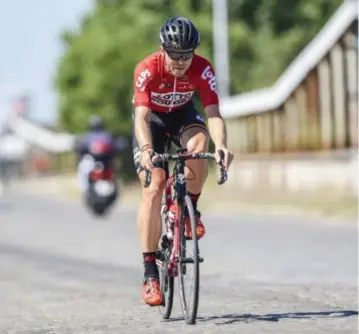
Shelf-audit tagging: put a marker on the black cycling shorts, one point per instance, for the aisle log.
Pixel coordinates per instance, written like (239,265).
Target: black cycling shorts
(173,123)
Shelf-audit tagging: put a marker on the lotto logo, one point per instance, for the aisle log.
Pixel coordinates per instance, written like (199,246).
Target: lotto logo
(168,99)
(208,74)
(141,79)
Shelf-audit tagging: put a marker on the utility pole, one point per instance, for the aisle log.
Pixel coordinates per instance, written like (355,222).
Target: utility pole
(220,43)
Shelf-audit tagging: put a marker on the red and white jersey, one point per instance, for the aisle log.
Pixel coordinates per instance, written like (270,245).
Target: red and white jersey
(156,88)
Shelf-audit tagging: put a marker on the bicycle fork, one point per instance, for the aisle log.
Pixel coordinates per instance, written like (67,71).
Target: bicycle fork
(172,260)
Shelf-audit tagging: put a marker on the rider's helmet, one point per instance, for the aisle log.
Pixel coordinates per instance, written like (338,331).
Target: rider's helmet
(96,123)
(179,33)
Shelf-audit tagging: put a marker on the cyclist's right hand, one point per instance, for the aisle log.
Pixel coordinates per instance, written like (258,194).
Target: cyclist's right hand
(146,158)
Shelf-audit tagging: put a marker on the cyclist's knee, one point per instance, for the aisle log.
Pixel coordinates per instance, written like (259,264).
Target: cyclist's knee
(198,142)
(155,190)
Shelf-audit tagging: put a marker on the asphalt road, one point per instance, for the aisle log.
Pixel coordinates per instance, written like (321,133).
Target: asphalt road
(63,271)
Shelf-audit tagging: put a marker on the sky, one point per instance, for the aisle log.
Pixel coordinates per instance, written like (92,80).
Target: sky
(30,47)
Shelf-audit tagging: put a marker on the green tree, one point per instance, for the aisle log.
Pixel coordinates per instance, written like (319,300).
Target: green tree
(95,74)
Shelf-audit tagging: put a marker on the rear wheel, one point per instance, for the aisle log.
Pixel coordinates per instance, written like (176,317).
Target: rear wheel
(188,265)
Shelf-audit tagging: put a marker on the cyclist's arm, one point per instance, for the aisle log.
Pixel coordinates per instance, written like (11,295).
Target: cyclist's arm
(216,126)
(210,102)
(141,99)
(142,129)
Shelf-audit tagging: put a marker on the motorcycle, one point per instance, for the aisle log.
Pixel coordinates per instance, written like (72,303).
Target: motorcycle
(102,190)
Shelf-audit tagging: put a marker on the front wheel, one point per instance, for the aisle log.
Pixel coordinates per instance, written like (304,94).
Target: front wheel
(167,288)
(188,265)
(166,281)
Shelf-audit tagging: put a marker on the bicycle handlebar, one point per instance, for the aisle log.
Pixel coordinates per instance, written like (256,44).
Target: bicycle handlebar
(188,156)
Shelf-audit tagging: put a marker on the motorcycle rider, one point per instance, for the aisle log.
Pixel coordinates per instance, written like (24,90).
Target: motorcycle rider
(97,132)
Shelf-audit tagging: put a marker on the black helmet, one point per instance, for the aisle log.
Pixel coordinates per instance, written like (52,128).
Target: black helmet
(179,33)
(96,123)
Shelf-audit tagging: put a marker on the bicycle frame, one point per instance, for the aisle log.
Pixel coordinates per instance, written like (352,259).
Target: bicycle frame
(178,182)
(172,257)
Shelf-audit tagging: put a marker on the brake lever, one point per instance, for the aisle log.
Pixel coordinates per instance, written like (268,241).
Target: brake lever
(223,173)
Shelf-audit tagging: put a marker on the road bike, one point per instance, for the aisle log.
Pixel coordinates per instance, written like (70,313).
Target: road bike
(175,256)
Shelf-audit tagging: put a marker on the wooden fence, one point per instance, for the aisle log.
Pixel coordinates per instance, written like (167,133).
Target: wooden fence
(321,114)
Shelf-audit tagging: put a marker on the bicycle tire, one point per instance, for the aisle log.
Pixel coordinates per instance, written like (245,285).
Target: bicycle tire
(189,313)
(166,281)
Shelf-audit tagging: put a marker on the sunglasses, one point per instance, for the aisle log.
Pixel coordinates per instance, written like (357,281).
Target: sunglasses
(176,55)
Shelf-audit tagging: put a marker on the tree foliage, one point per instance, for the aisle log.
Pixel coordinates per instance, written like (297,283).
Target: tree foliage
(96,72)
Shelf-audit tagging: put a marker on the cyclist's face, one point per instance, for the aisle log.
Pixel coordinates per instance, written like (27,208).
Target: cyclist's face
(178,62)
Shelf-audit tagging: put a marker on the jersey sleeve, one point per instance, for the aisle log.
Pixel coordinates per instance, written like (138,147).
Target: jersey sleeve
(142,77)
(207,85)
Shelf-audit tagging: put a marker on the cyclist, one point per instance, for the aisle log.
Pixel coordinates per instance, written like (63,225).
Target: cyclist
(164,84)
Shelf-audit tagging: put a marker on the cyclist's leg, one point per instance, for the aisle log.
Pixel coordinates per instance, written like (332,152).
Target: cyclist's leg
(148,219)
(195,139)
(193,135)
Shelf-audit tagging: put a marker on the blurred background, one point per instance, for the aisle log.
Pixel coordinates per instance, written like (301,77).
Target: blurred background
(287,73)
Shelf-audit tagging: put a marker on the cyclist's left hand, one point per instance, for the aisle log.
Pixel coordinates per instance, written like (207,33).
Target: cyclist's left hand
(228,157)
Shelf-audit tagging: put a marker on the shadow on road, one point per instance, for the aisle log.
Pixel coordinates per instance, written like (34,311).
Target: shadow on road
(232,318)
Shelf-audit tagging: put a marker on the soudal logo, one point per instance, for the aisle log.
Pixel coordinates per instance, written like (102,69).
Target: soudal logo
(171,99)
(207,74)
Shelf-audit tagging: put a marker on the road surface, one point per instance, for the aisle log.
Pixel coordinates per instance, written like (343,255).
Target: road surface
(65,272)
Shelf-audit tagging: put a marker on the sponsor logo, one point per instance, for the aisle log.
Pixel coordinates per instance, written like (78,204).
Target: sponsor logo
(207,74)
(171,99)
(141,79)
